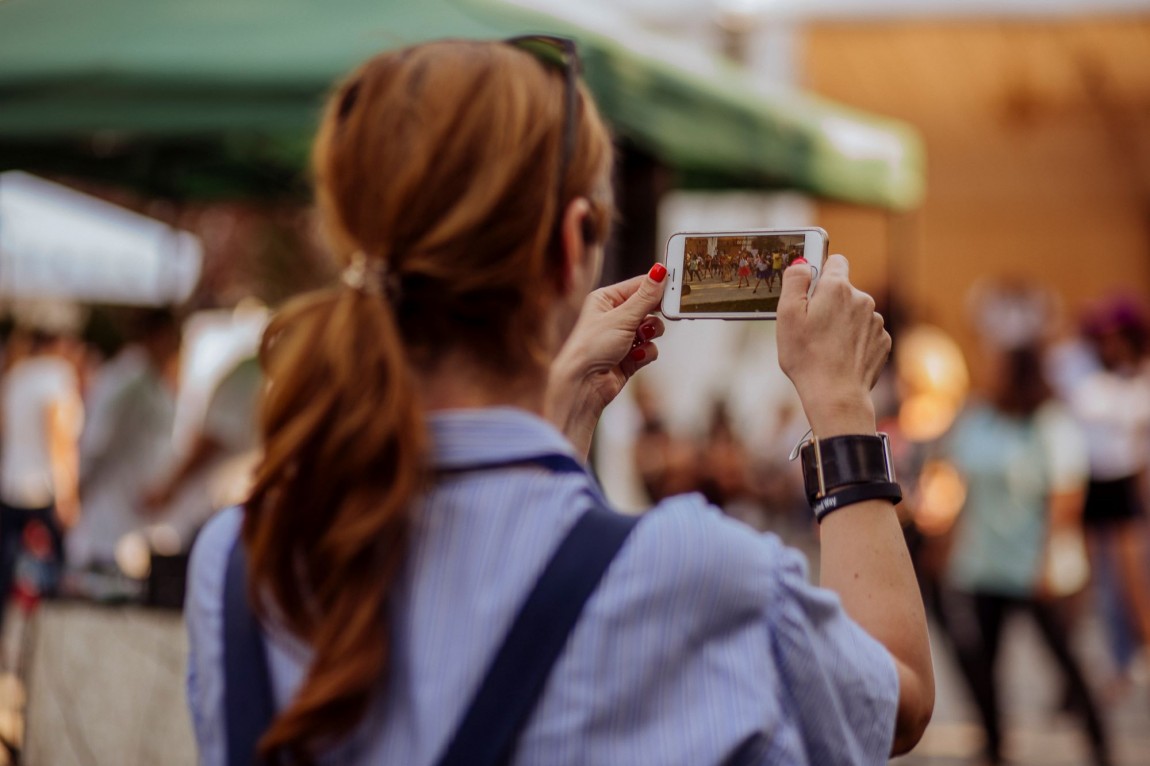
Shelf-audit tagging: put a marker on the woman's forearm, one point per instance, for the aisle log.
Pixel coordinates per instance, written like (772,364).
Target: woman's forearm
(864,559)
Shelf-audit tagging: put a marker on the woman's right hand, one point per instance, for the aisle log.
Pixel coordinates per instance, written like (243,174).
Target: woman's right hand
(832,346)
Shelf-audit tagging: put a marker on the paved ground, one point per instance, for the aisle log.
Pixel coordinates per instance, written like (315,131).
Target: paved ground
(1036,734)
(105,686)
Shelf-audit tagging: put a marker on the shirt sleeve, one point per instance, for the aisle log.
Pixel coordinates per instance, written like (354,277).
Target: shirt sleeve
(203,614)
(840,683)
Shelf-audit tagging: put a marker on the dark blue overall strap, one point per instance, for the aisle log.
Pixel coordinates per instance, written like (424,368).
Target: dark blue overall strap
(248,704)
(516,678)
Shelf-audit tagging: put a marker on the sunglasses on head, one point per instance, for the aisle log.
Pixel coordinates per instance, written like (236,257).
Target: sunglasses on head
(558,53)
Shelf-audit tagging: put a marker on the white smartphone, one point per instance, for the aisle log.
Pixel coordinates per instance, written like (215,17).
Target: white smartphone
(735,274)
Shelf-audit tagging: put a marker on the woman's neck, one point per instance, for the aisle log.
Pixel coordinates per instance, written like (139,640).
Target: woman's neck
(456,382)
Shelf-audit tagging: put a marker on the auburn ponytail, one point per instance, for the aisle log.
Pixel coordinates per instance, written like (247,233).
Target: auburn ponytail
(327,522)
(438,165)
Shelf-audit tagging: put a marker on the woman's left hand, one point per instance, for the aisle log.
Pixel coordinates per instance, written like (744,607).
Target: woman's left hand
(611,341)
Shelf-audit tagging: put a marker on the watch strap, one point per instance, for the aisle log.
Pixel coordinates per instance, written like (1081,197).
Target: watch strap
(840,461)
(857,493)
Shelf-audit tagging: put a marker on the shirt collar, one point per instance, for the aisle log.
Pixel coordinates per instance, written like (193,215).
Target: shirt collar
(468,438)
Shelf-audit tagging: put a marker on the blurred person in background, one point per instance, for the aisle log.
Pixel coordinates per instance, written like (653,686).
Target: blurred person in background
(214,470)
(41,416)
(127,441)
(725,470)
(666,463)
(1024,463)
(1113,406)
(425,427)
(778,481)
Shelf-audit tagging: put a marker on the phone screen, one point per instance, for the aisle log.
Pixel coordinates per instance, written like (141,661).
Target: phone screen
(735,275)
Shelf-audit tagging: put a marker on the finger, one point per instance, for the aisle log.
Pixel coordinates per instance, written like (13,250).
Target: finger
(651,328)
(837,265)
(796,284)
(619,292)
(883,346)
(638,358)
(646,298)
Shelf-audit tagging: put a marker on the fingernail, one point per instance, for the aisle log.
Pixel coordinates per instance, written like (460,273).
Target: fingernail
(647,331)
(658,272)
(638,355)
(800,259)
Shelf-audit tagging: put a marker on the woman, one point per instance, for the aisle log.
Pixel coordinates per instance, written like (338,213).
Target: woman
(404,506)
(762,273)
(1113,406)
(744,271)
(1024,463)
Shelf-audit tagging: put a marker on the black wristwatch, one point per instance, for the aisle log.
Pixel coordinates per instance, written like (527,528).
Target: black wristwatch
(843,470)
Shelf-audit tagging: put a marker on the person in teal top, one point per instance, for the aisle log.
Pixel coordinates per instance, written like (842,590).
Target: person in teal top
(1011,465)
(1024,464)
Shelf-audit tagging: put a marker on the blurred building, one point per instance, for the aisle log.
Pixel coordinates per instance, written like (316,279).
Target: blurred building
(1038,133)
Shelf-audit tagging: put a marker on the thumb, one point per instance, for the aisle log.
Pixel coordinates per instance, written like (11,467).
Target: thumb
(796,284)
(645,299)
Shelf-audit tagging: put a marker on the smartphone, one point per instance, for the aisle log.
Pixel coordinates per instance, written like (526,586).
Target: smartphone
(735,274)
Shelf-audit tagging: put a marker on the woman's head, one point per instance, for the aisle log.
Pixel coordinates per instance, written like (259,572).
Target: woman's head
(442,162)
(1018,380)
(1117,328)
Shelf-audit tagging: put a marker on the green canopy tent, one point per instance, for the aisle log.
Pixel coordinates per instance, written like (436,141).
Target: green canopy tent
(242,80)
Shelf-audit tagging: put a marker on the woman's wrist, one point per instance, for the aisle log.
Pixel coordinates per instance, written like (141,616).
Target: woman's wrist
(569,407)
(839,417)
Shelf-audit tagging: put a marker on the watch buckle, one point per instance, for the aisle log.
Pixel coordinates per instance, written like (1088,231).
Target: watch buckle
(887,454)
(818,460)
(819,468)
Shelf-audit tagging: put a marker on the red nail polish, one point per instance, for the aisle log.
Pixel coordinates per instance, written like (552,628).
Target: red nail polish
(658,272)
(638,355)
(800,259)
(647,331)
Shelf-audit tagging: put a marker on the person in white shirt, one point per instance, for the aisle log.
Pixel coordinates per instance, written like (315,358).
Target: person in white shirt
(42,416)
(127,441)
(216,467)
(1113,406)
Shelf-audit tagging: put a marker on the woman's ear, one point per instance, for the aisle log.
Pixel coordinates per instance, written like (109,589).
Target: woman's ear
(588,231)
(580,253)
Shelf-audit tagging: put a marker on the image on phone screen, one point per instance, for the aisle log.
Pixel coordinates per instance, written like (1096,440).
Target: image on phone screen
(736,273)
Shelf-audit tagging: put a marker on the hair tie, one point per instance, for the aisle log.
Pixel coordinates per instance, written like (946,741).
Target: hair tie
(367,275)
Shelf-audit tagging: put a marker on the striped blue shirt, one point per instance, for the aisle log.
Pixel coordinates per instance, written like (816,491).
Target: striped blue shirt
(702,632)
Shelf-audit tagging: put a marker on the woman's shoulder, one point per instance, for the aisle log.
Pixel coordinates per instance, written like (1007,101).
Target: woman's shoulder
(209,558)
(686,543)
(218,534)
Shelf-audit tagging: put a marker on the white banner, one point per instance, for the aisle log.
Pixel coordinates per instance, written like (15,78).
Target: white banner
(56,242)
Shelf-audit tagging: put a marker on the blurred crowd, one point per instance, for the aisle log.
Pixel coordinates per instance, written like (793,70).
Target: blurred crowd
(111,460)
(751,485)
